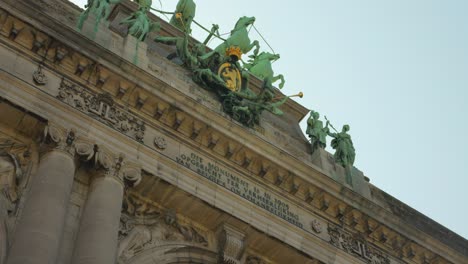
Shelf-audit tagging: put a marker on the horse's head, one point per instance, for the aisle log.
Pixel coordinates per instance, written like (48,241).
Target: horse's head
(243,22)
(268,56)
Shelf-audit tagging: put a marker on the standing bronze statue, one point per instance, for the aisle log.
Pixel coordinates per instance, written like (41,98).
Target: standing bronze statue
(344,150)
(316,132)
(183,15)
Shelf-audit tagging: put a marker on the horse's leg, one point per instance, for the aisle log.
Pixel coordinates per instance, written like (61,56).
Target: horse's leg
(250,47)
(279,77)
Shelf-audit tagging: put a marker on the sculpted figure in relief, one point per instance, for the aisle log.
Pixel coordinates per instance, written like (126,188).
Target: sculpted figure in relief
(143,228)
(10,173)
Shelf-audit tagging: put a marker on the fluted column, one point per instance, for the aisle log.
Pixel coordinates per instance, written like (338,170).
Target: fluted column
(97,239)
(40,228)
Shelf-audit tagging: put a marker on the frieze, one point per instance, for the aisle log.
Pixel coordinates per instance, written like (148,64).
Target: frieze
(102,108)
(356,246)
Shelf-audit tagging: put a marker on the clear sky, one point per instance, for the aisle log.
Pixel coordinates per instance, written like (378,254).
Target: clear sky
(396,71)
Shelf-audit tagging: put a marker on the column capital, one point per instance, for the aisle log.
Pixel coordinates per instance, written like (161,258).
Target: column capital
(59,138)
(117,166)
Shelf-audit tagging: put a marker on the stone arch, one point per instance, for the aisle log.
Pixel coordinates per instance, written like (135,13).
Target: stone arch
(174,253)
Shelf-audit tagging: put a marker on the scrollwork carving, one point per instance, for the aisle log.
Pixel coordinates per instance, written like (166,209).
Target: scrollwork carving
(103,159)
(131,174)
(84,149)
(59,138)
(356,246)
(102,108)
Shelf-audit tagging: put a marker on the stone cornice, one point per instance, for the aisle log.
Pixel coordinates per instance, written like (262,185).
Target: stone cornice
(331,200)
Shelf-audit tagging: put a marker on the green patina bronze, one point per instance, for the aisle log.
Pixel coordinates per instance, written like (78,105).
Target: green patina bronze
(220,71)
(261,67)
(101,10)
(344,150)
(184,15)
(139,24)
(246,106)
(316,132)
(239,38)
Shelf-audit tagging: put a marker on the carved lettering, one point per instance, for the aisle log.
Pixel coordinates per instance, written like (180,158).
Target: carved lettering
(237,185)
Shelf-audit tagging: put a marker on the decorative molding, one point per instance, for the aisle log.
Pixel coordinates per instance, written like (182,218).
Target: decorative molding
(356,246)
(231,245)
(39,77)
(160,143)
(102,108)
(56,137)
(316,226)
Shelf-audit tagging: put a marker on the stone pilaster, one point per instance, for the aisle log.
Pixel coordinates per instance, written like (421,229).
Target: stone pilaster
(40,228)
(97,239)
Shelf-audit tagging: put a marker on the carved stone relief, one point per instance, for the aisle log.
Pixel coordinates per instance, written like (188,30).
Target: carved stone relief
(144,226)
(102,108)
(356,246)
(15,166)
(231,245)
(39,77)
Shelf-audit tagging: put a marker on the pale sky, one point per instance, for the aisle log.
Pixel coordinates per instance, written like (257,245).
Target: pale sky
(395,70)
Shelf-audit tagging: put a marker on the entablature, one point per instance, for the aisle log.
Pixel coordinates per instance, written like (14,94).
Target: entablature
(163,107)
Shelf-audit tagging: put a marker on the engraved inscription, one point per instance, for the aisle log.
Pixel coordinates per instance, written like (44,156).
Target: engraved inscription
(235,184)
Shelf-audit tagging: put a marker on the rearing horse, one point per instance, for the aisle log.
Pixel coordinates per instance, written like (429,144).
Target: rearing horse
(239,38)
(260,66)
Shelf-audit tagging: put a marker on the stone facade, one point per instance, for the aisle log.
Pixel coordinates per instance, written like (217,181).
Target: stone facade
(105,158)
